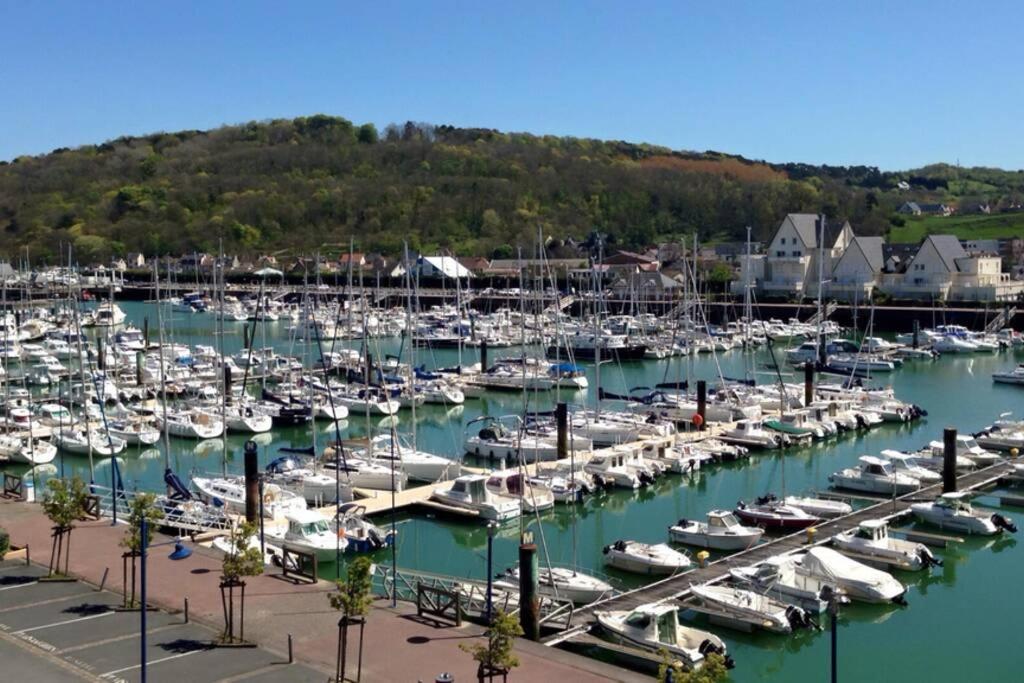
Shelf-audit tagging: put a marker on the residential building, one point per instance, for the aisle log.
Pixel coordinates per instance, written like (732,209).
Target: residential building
(628,261)
(943,270)
(857,270)
(441,267)
(135,260)
(790,265)
(924,209)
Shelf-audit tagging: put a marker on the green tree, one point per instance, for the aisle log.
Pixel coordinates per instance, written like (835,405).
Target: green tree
(142,506)
(5,543)
(245,560)
(496,655)
(63,504)
(353,598)
(711,671)
(368,134)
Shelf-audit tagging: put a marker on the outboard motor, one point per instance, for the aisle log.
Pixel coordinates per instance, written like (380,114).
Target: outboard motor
(375,540)
(797,618)
(707,647)
(900,600)
(1004,523)
(645,477)
(927,558)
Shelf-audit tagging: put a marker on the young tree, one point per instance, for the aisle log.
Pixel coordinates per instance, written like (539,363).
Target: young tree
(64,504)
(353,600)
(141,507)
(671,669)
(5,543)
(244,560)
(496,656)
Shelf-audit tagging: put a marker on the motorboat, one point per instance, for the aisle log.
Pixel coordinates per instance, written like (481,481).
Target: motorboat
(470,492)
(79,441)
(721,531)
(904,463)
(770,514)
(1015,376)
(874,475)
(751,433)
(610,467)
(871,541)
(363,536)
(645,558)
(779,577)
(967,446)
(655,627)
(1002,435)
(819,507)
(856,580)
(514,484)
(752,607)
(229,493)
(954,511)
(562,583)
(33,452)
(315,488)
(309,532)
(929,460)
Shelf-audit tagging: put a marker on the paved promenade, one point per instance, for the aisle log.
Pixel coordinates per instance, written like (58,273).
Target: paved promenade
(398,646)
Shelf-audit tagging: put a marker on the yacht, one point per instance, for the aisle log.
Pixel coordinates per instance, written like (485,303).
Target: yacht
(470,492)
(34,452)
(77,441)
(190,424)
(561,583)
(819,507)
(722,531)
(316,489)
(1015,376)
(856,580)
(655,627)
(246,418)
(309,532)
(134,432)
(229,493)
(363,536)
(752,607)
(513,484)
(751,433)
(366,474)
(874,475)
(902,463)
(610,467)
(968,447)
(871,541)
(418,465)
(954,511)
(779,578)
(645,558)
(768,513)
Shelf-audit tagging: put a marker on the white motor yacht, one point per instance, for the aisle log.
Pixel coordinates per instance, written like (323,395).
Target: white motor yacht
(610,467)
(751,433)
(562,583)
(752,607)
(645,558)
(871,541)
(656,627)
(309,532)
(1015,376)
(470,492)
(857,580)
(780,578)
(874,475)
(722,531)
(954,511)
(968,447)
(819,507)
(908,464)
(513,484)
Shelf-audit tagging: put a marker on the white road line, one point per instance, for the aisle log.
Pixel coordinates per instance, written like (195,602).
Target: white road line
(20,585)
(153,661)
(66,621)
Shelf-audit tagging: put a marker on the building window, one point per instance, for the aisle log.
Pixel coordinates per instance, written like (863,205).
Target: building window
(782,241)
(780,254)
(796,253)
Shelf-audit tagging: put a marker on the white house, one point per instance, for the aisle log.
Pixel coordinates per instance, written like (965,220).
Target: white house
(441,267)
(791,259)
(943,270)
(857,270)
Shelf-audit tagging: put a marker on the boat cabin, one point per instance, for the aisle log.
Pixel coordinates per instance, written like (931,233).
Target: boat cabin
(306,523)
(722,519)
(472,487)
(875,530)
(658,622)
(874,466)
(955,502)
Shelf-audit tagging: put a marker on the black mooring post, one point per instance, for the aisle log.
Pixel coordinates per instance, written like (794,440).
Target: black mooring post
(948,460)
(252,492)
(562,427)
(702,401)
(808,383)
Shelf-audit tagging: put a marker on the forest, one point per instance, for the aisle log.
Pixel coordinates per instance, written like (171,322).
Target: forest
(316,183)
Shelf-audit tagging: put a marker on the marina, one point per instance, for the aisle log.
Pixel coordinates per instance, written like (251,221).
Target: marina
(442,543)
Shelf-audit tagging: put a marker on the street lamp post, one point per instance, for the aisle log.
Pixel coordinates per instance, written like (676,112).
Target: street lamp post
(180,553)
(490,568)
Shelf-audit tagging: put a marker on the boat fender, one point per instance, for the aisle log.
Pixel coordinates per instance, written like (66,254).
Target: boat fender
(268,498)
(1004,523)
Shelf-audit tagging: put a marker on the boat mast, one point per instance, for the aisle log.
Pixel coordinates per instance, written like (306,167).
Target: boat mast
(821,286)
(597,323)
(225,388)
(160,358)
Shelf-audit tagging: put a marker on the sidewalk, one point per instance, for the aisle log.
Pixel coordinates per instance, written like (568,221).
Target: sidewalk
(397,647)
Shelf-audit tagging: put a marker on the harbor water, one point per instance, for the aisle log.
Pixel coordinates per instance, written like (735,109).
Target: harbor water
(960,622)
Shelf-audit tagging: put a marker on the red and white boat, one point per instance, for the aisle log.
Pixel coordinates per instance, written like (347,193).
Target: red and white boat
(770,514)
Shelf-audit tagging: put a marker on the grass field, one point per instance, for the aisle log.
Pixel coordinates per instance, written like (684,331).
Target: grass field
(964,227)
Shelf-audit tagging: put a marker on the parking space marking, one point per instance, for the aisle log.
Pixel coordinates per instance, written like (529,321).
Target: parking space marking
(66,621)
(19,585)
(154,661)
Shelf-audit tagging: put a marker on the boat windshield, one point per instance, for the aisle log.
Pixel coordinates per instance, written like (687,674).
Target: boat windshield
(638,620)
(667,628)
(314,528)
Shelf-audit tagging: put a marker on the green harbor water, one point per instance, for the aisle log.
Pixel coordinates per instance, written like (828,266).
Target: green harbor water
(961,621)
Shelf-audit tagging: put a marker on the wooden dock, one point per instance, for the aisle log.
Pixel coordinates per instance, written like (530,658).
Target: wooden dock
(677,587)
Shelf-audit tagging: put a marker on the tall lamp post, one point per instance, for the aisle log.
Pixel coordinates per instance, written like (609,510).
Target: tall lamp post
(180,553)
(834,599)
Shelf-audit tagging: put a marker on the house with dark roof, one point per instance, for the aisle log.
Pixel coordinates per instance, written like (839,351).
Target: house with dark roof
(646,285)
(790,264)
(924,209)
(855,275)
(942,270)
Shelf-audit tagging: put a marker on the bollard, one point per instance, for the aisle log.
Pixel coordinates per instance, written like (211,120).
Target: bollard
(291,655)
(483,355)
(811,533)
(948,459)
(562,423)
(808,384)
(702,403)
(702,558)
(529,604)
(252,474)
(103,581)
(145,330)
(186,610)
(917,332)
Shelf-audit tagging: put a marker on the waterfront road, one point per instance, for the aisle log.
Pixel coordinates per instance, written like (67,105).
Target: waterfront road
(72,630)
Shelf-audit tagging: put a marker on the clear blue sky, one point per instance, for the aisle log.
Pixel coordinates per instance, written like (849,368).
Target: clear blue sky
(893,84)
